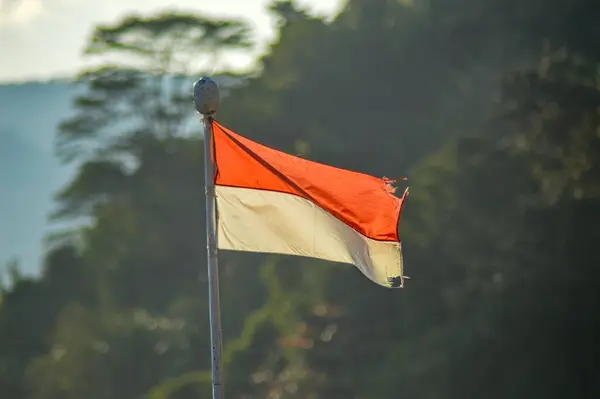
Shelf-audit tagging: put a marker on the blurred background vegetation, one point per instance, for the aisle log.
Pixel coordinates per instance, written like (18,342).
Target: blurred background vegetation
(490,108)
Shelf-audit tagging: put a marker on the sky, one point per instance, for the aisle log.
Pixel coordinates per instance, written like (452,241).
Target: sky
(41,39)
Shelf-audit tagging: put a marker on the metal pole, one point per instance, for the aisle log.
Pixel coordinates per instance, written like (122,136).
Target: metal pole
(206,97)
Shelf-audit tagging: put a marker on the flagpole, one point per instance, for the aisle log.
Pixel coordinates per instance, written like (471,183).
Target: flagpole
(206,99)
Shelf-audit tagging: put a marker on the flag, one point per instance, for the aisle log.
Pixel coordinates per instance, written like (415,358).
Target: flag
(272,202)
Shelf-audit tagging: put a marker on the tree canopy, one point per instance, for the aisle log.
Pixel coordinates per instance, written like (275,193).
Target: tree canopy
(491,110)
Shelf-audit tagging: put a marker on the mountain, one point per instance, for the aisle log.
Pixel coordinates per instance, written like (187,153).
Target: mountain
(30,173)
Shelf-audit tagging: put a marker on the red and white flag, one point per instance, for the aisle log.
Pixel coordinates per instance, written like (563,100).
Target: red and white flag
(269,201)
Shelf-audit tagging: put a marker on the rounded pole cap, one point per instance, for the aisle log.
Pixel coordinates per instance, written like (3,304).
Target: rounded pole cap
(206,96)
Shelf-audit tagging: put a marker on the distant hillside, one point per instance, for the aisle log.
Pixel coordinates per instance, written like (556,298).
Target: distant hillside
(29,171)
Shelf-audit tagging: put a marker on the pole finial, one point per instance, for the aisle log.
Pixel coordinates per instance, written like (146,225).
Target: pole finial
(206,96)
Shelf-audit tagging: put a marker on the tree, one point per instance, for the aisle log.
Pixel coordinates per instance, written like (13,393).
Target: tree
(28,312)
(140,186)
(127,106)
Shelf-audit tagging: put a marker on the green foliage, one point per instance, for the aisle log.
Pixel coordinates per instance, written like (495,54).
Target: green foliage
(167,35)
(126,107)
(491,108)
